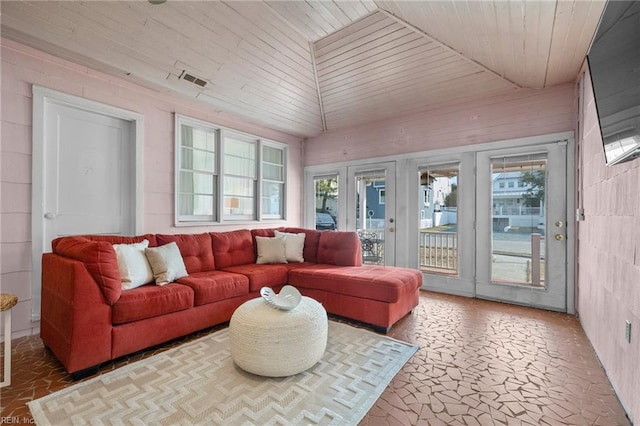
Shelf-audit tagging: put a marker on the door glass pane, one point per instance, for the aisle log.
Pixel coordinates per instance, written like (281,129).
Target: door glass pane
(439,219)
(518,220)
(326,188)
(370,216)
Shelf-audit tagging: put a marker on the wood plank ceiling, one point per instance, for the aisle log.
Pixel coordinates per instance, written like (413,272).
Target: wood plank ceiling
(304,67)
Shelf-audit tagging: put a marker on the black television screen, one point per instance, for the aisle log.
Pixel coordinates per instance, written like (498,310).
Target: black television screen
(614,65)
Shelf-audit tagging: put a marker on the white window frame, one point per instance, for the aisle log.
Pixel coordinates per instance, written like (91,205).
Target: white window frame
(186,220)
(283,198)
(219,216)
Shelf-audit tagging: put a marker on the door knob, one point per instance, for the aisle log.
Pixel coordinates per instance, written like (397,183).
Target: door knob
(559,237)
(559,224)
(49,215)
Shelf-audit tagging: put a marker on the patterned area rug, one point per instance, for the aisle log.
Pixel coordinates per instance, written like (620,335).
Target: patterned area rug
(198,383)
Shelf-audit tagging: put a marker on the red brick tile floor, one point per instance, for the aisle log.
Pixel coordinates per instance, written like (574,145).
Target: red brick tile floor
(479,363)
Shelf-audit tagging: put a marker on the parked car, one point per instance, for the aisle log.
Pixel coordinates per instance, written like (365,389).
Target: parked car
(325,221)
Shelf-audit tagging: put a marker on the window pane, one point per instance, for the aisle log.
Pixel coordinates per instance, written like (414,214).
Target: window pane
(197,183)
(326,202)
(196,205)
(198,138)
(272,199)
(273,172)
(198,160)
(518,219)
(240,158)
(273,155)
(239,197)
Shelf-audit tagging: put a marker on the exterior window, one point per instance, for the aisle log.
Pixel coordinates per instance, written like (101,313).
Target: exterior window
(273,173)
(511,184)
(501,184)
(383,193)
(225,176)
(197,177)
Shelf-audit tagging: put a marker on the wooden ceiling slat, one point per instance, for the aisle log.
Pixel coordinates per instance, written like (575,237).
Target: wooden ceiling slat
(425,64)
(416,54)
(412,81)
(395,44)
(385,43)
(377,110)
(228,19)
(347,35)
(413,88)
(574,27)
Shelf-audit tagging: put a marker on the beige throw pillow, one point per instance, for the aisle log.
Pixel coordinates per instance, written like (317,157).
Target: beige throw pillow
(293,245)
(166,263)
(271,250)
(133,264)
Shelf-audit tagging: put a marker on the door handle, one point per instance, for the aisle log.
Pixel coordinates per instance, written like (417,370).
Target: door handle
(559,237)
(49,215)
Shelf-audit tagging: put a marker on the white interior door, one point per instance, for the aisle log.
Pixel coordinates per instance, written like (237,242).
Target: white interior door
(371,210)
(87,173)
(521,244)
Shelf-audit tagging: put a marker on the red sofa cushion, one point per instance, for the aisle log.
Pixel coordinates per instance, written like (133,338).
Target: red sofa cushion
(233,248)
(151,301)
(213,286)
(195,249)
(100,260)
(339,248)
(383,283)
(311,240)
(263,275)
(267,232)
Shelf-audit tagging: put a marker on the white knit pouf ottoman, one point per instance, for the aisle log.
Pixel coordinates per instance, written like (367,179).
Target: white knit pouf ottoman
(276,343)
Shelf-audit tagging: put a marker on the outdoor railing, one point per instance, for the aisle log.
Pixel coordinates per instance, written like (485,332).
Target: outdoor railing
(517,211)
(439,250)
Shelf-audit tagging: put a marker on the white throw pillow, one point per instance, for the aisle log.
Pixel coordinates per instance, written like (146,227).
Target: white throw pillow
(166,263)
(133,264)
(293,245)
(271,250)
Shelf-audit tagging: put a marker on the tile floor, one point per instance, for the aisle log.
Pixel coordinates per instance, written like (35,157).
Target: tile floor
(480,363)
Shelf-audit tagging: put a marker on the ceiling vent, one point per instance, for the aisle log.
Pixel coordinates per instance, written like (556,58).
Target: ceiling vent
(192,79)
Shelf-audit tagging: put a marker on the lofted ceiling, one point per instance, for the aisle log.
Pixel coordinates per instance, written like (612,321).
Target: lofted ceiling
(304,67)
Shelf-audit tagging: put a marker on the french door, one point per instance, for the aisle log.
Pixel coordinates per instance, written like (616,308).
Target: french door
(360,198)
(444,216)
(371,208)
(521,253)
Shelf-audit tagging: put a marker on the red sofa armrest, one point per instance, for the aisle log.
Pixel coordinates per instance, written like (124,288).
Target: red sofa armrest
(75,319)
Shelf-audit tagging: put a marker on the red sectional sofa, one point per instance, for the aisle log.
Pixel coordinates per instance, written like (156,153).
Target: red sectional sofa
(87,318)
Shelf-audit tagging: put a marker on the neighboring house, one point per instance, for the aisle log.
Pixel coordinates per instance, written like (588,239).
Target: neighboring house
(513,207)
(434,210)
